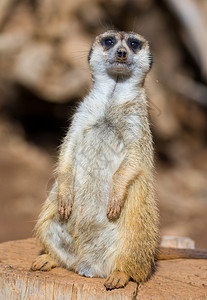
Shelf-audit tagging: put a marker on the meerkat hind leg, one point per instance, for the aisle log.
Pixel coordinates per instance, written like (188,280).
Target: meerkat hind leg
(43,262)
(116,280)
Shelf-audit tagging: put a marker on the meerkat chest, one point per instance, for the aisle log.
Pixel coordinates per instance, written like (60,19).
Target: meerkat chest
(100,146)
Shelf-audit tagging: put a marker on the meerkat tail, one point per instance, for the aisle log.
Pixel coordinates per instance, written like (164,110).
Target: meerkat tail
(175,253)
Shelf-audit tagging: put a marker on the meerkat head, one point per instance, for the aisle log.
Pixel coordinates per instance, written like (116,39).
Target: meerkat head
(120,53)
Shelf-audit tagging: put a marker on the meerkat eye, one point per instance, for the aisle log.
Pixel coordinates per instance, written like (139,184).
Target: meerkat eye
(108,42)
(135,44)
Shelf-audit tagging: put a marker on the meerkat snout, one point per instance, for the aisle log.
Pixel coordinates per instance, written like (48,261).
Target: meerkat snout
(121,55)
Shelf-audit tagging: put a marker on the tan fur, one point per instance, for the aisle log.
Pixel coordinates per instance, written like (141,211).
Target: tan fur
(100,218)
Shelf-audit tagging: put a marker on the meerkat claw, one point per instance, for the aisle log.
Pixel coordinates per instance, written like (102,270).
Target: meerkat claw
(67,212)
(61,211)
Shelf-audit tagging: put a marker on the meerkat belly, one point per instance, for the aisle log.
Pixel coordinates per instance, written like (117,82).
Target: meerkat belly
(97,157)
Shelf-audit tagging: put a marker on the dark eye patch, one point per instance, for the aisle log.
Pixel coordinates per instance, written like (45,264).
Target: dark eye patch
(108,42)
(134,44)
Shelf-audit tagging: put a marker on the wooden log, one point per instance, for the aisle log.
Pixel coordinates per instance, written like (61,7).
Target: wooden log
(178,279)
(18,282)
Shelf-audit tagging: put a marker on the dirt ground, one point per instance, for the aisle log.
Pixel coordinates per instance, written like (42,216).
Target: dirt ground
(26,175)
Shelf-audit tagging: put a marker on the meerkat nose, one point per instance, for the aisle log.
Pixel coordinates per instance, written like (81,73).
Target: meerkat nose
(121,54)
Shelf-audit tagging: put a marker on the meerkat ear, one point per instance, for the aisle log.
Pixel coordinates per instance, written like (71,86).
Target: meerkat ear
(150,61)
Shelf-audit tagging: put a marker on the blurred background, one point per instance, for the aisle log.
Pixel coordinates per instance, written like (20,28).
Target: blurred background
(44,73)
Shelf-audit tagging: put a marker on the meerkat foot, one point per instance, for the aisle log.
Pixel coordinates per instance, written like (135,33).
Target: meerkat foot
(43,262)
(116,280)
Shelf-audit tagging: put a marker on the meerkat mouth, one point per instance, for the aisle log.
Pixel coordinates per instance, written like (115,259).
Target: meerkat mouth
(119,67)
(119,62)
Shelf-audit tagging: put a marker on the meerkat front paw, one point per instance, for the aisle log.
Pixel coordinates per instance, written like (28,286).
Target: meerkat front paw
(116,199)
(114,208)
(65,207)
(116,280)
(65,201)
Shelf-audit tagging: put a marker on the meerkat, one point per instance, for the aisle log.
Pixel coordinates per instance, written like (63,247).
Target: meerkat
(100,218)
